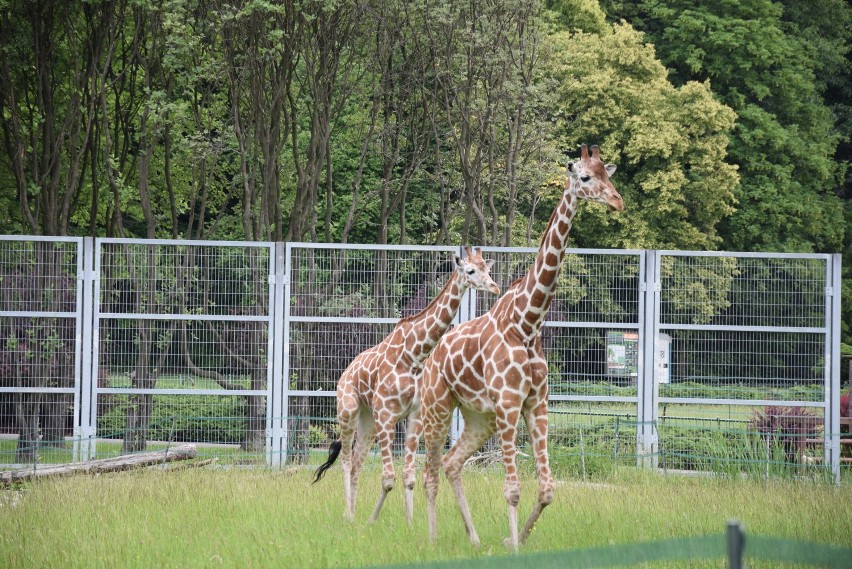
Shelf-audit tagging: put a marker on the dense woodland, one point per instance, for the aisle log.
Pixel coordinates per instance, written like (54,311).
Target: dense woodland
(437,122)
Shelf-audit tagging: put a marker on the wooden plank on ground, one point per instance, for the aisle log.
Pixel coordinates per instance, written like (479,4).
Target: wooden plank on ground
(115,464)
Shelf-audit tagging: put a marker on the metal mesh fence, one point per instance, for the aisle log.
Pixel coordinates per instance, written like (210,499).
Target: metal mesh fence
(594,287)
(151,277)
(743,291)
(187,354)
(238,347)
(39,356)
(366,283)
(183,345)
(719,364)
(579,362)
(744,326)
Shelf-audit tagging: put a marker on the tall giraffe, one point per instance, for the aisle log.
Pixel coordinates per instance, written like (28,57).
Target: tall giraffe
(380,386)
(493,367)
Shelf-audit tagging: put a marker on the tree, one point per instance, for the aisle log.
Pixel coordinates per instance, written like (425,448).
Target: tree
(669,143)
(785,140)
(52,76)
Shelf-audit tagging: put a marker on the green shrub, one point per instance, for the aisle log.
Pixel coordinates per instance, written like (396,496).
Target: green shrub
(190,418)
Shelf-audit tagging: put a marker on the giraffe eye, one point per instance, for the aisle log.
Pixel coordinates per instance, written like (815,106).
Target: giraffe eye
(585,178)
(470,271)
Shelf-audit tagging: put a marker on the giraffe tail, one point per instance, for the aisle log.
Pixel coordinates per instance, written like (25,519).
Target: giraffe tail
(333,452)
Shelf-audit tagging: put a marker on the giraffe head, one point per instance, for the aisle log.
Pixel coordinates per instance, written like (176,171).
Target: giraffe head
(588,179)
(473,271)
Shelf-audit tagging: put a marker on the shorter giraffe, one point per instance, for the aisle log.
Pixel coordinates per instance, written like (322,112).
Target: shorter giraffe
(493,367)
(380,386)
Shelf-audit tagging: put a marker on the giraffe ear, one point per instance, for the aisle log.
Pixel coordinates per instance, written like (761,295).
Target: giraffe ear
(489,263)
(569,166)
(457,259)
(610,169)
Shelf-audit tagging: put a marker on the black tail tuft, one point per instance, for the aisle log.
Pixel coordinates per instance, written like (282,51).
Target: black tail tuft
(333,452)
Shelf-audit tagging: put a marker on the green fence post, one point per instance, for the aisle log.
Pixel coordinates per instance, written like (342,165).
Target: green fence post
(736,545)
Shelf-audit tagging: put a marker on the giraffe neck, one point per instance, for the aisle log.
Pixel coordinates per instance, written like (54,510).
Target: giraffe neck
(535,291)
(424,329)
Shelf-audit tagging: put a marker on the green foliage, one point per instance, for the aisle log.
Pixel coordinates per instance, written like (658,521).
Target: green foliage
(785,139)
(579,15)
(190,418)
(668,143)
(707,289)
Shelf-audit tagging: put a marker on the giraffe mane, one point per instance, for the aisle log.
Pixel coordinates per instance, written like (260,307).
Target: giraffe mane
(447,285)
(549,224)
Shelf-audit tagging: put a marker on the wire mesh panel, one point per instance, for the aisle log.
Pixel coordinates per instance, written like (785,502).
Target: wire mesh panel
(364,282)
(581,362)
(40,316)
(595,286)
(735,291)
(744,327)
(218,425)
(745,335)
(732,364)
(183,345)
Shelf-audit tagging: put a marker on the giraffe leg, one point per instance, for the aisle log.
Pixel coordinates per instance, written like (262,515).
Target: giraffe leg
(363,442)
(346,418)
(385,422)
(536,418)
(413,430)
(477,429)
(508,414)
(436,416)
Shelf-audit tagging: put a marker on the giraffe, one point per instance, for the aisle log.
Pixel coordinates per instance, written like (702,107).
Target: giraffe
(493,367)
(380,386)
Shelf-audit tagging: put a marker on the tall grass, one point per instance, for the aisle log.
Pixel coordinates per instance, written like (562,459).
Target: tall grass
(262,518)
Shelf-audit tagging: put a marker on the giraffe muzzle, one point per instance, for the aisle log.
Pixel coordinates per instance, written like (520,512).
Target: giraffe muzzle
(615,202)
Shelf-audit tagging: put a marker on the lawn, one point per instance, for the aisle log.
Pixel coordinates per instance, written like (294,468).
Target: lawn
(265,518)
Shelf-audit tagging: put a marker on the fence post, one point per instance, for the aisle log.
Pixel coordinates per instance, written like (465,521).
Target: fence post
(736,545)
(466,311)
(832,348)
(646,433)
(275,444)
(284,350)
(84,445)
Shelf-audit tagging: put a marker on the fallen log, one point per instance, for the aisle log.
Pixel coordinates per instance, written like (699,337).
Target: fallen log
(115,464)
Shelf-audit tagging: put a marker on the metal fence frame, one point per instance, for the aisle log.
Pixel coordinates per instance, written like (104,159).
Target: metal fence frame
(278,393)
(78,314)
(92,391)
(829,330)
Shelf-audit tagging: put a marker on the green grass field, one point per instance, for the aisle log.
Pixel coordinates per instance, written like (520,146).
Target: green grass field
(263,518)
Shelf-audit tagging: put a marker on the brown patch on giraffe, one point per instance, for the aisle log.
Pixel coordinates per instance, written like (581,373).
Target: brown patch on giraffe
(551,259)
(538,297)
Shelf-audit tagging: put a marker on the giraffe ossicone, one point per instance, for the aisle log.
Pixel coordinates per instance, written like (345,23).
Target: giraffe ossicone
(380,386)
(493,367)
